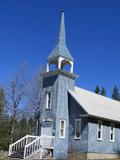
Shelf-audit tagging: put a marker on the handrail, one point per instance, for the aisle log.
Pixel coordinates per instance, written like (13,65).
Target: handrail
(36,145)
(18,141)
(32,142)
(21,143)
(27,146)
(42,136)
(32,145)
(22,139)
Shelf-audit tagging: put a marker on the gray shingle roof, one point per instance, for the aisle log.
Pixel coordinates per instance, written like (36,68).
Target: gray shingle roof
(97,105)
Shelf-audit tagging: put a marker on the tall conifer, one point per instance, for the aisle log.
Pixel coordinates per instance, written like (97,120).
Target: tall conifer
(103,92)
(115,94)
(97,90)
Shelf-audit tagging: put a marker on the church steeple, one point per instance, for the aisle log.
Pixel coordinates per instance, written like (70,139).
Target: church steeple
(60,55)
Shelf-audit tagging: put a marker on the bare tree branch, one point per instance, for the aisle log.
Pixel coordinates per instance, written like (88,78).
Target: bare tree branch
(35,97)
(16,95)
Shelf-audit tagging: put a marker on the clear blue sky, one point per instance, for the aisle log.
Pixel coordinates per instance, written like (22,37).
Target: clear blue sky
(29,29)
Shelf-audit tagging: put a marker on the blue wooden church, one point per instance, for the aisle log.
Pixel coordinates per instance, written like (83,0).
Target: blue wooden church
(76,124)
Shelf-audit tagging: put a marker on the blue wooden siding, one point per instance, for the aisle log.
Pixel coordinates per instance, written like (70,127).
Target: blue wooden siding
(75,111)
(64,83)
(104,146)
(58,85)
(88,141)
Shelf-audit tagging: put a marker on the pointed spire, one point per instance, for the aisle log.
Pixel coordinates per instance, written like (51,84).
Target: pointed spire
(61,50)
(62,34)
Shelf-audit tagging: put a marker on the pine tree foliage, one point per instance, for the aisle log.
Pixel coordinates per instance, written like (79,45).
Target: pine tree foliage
(31,126)
(97,90)
(115,94)
(2,100)
(4,122)
(103,92)
(23,126)
(5,128)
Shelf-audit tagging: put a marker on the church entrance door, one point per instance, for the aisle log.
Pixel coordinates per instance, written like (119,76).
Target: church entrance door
(47,129)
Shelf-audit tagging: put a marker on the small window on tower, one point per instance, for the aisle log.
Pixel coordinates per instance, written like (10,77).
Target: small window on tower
(62,128)
(48,100)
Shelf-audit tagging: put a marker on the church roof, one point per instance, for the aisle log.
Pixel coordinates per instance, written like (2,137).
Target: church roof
(97,105)
(61,49)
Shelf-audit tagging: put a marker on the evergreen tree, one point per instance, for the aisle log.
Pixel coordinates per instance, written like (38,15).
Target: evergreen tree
(5,130)
(115,94)
(103,92)
(4,122)
(2,101)
(32,126)
(23,127)
(97,90)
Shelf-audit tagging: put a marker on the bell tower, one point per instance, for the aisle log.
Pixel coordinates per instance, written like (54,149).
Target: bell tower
(60,55)
(57,80)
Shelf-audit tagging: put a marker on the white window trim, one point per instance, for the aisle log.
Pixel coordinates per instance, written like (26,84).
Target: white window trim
(112,125)
(100,122)
(80,128)
(47,100)
(64,129)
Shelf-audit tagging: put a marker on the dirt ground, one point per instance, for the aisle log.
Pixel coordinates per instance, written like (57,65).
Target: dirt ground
(3,155)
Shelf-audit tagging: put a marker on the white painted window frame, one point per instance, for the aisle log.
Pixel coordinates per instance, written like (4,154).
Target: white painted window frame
(76,120)
(64,129)
(47,100)
(101,130)
(113,132)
